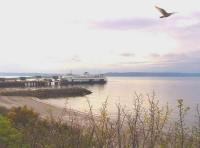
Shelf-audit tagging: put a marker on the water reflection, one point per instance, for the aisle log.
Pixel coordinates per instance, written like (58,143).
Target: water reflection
(122,89)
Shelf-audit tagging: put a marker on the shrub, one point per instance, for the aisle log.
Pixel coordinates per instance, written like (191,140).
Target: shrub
(22,116)
(146,125)
(9,137)
(3,110)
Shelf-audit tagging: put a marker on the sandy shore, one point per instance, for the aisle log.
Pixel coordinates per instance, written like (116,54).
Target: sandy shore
(45,110)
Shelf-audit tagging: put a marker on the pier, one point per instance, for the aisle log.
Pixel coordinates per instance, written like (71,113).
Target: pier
(40,81)
(24,84)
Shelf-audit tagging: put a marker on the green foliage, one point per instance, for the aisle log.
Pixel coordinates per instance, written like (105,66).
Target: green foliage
(22,116)
(26,120)
(9,136)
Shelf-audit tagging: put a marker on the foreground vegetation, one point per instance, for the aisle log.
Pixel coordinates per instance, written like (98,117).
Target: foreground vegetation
(145,126)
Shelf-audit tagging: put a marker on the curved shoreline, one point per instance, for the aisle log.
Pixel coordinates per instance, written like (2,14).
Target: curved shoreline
(45,110)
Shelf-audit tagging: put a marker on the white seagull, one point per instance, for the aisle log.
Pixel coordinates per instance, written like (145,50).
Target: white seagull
(163,12)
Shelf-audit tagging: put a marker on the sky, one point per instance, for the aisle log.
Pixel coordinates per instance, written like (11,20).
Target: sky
(99,36)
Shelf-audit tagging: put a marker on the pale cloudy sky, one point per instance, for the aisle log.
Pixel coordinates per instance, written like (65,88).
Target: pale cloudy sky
(99,36)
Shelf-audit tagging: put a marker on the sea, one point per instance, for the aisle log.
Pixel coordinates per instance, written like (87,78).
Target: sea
(123,91)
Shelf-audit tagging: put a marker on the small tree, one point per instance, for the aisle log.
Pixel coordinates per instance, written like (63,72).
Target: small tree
(22,116)
(9,136)
(181,123)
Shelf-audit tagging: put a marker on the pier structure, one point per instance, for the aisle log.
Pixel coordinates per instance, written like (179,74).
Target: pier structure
(25,82)
(42,81)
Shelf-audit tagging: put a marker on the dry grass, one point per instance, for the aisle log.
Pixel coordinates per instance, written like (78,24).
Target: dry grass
(145,126)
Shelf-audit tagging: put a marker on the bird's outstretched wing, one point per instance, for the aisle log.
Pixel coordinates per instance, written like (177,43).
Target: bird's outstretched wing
(161,10)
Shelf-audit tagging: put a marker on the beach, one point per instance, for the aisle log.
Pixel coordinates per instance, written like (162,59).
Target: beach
(45,110)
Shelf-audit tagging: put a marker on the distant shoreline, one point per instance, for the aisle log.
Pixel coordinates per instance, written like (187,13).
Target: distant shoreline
(113,74)
(150,74)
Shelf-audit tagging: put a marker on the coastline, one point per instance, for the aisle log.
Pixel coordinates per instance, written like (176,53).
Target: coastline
(45,110)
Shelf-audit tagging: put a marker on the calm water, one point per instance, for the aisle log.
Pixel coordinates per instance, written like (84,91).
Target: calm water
(122,89)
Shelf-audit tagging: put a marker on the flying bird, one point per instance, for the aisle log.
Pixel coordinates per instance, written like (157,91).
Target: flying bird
(163,12)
